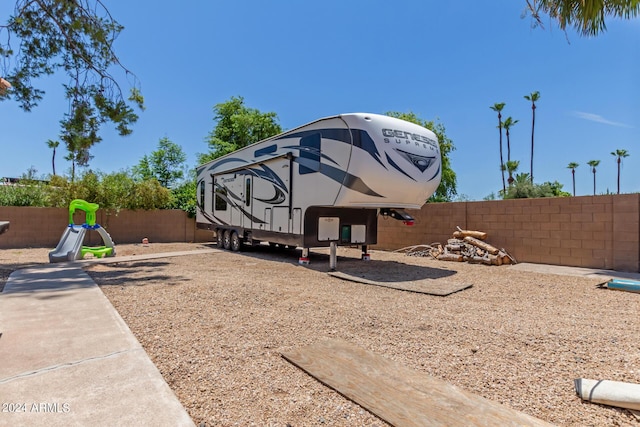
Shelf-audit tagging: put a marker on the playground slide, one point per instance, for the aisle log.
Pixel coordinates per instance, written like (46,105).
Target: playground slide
(70,244)
(4,226)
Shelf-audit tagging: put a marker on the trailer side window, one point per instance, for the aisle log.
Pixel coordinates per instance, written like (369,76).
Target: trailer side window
(310,154)
(220,199)
(202,185)
(247,192)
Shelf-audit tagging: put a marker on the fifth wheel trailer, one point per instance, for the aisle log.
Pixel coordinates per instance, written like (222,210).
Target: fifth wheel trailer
(321,184)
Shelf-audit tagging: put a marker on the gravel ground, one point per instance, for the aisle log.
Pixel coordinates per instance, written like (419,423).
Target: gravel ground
(215,325)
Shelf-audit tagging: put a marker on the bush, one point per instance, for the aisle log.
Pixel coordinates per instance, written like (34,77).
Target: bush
(27,194)
(149,195)
(523,188)
(184,197)
(112,192)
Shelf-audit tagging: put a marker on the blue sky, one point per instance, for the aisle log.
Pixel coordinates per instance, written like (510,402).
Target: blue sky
(305,60)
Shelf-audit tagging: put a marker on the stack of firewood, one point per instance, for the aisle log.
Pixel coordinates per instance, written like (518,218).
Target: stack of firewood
(466,245)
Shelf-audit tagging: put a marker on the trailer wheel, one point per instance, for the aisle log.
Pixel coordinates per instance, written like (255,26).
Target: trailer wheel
(219,238)
(227,240)
(236,243)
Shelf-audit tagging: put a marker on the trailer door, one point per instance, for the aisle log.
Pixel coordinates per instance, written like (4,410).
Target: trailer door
(229,203)
(251,221)
(236,187)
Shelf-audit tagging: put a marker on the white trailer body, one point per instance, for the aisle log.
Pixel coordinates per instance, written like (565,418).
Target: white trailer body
(323,182)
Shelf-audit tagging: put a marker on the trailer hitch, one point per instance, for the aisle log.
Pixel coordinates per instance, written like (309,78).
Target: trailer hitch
(397,214)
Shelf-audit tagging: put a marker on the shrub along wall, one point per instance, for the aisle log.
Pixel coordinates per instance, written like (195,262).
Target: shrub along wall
(596,232)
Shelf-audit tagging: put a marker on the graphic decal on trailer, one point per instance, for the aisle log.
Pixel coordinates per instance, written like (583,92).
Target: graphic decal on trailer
(358,137)
(420,162)
(223,192)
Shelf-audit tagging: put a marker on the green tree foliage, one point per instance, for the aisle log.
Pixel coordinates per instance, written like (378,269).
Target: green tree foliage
(184,197)
(26,193)
(117,191)
(113,192)
(447,189)
(166,164)
(76,37)
(587,17)
(236,127)
(523,188)
(512,166)
(148,195)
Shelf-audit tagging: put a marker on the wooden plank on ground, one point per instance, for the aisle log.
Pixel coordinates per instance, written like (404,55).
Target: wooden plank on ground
(440,287)
(397,394)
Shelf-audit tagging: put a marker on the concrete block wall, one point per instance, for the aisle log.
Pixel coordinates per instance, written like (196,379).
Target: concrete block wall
(32,227)
(595,232)
(43,227)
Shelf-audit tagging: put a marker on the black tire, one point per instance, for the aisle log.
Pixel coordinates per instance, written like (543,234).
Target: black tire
(236,243)
(226,239)
(219,239)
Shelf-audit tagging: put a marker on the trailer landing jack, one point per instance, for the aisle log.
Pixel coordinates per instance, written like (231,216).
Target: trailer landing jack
(333,256)
(365,254)
(304,257)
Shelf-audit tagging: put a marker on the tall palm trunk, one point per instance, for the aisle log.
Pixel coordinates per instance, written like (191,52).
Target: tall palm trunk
(619,175)
(533,97)
(504,184)
(508,147)
(497,107)
(533,126)
(53,161)
(573,173)
(594,164)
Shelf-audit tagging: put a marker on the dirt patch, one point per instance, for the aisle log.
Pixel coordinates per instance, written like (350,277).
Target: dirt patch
(216,324)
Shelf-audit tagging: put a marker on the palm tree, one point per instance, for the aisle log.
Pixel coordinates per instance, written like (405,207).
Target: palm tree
(586,17)
(508,122)
(53,144)
(619,154)
(594,164)
(573,166)
(533,98)
(498,107)
(512,166)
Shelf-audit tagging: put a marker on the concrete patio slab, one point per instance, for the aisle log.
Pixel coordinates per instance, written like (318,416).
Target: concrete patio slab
(68,358)
(593,273)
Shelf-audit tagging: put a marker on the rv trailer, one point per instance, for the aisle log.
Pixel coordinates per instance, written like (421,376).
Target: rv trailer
(322,184)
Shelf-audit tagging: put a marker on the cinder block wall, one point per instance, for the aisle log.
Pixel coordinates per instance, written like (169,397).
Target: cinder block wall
(595,232)
(43,227)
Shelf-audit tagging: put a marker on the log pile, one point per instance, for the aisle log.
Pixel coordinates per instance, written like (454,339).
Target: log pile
(465,246)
